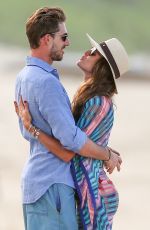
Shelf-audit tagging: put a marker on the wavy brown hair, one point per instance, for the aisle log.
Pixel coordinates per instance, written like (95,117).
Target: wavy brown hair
(100,84)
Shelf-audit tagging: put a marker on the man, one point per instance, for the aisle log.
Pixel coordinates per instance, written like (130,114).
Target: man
(47,184)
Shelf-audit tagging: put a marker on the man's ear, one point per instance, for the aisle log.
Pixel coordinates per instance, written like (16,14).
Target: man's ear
(46,39)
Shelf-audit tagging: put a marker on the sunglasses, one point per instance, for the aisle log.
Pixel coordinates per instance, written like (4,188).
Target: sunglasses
(91,52)
(63,37)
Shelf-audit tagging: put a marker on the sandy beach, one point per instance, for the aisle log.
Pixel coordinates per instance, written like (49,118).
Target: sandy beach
(130,136)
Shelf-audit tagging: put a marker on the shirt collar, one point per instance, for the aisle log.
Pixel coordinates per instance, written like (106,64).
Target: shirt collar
(33,61)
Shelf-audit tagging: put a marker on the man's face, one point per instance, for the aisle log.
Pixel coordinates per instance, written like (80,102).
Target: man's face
(60,41)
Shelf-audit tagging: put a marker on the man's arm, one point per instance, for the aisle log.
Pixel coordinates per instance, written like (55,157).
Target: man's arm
(90,149)
(55,109)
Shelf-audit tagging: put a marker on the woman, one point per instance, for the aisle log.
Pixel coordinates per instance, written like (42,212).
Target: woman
(92,108)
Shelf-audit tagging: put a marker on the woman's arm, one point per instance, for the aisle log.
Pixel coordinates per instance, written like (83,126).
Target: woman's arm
(52,144)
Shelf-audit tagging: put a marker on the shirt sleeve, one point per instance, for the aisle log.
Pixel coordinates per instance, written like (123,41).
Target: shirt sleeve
(55,108)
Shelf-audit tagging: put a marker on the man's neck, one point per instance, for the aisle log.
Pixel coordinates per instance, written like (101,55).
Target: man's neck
(41,54)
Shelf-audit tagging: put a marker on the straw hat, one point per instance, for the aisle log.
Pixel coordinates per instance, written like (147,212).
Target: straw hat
(115,54)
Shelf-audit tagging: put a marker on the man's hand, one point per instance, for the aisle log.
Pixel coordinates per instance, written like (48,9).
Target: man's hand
(114,162)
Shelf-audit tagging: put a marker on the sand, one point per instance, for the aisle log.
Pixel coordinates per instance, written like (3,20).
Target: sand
(130,136)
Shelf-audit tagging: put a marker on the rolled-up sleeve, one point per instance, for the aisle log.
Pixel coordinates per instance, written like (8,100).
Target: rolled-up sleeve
(55,109)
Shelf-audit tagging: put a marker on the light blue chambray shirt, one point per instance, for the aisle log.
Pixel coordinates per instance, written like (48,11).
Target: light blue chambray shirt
(39,84)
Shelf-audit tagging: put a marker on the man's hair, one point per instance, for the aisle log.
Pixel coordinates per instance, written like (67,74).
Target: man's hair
(43,21)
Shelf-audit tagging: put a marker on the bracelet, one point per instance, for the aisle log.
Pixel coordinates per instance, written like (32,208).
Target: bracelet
(109,154)
(30,127)
(34,131)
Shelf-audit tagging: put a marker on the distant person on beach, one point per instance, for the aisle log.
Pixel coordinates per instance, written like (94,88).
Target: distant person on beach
(47,184)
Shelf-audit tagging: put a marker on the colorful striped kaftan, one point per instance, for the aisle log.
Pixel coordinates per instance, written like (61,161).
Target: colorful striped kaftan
(98,198)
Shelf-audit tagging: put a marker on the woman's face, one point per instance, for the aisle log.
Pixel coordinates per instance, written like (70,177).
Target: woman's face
(88,60)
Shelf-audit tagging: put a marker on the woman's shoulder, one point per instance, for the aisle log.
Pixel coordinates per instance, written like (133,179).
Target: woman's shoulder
(97,101)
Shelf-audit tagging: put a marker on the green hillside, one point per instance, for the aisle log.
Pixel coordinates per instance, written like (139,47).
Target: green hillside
(126,19)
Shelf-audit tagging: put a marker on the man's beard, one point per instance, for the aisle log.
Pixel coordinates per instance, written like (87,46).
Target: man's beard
(56,55)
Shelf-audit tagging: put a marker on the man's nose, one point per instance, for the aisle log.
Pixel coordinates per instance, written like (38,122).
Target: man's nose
(67,42)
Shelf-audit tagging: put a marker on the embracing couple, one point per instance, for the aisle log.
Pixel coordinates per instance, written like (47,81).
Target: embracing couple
(64,182)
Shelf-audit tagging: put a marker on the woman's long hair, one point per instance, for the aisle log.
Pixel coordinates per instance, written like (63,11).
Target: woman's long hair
(100,84)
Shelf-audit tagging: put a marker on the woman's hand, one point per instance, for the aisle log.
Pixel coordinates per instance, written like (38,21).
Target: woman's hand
(23,112)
